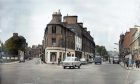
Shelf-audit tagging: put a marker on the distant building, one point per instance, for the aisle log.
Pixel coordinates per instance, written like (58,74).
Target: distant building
(36,50)
(67,38)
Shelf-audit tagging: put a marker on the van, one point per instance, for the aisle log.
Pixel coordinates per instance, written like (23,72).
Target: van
(98,59)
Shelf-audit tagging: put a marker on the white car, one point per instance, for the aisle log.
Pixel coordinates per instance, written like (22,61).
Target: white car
(91,60)
(83,61)
(71,62)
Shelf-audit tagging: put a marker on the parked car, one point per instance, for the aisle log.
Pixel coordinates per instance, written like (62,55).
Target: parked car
(115,60)
(98,59)
(71,62)
(83,61)
(90,60)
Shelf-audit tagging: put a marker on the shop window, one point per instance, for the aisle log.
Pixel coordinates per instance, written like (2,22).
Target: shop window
(53,56)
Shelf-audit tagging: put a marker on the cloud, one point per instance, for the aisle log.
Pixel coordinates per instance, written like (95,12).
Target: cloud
(0,30)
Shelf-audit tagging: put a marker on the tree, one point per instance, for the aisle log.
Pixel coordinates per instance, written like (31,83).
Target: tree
(101,50)
(15,43)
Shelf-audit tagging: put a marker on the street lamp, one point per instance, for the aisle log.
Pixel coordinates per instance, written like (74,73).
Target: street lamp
(1,50)
(65,43)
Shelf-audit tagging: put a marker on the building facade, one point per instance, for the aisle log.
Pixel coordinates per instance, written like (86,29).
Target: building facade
(36,50)
(64,38)
(130,43)
(135,42)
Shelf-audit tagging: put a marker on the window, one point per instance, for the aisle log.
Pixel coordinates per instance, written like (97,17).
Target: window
(53,29)
(53,56)
(53,41)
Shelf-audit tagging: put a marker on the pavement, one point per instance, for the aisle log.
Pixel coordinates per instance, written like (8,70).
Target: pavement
(33,61)
(130,68)
(10,62)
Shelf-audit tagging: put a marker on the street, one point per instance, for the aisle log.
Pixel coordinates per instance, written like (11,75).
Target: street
(31,73)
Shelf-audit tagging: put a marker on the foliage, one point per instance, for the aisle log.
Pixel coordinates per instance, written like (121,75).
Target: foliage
(101,50)
(15,43)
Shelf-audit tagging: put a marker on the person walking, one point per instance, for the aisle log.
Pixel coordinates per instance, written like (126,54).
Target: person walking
(59,60)
(124,62)
(137,64)
(127,63)
(41,57)
(133,62)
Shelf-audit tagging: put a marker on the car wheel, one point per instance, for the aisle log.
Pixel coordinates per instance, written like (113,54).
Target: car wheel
(64,67)
(74,66)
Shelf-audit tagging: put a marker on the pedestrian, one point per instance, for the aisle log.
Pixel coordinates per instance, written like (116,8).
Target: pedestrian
(41,58)
(133,62)
(124,62)
(137,64)
(127,62)
(59,60)
(109,61)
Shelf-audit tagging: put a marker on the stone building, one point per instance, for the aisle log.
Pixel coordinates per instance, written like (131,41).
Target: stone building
(130,42)
(36,50)
(135,42)
(66,38)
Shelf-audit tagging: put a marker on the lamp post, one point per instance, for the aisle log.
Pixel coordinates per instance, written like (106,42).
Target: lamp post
(1,50)
(65,43)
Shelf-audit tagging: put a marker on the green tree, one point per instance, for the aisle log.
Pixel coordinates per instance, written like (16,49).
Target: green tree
(15,43)
(101,50)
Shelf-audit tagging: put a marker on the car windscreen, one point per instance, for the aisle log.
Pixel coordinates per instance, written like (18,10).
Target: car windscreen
(69,59)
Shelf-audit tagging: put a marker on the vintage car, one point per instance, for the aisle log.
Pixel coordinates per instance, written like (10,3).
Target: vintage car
(83,61)
(71,62)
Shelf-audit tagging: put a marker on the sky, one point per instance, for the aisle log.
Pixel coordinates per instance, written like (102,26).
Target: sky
(106,19)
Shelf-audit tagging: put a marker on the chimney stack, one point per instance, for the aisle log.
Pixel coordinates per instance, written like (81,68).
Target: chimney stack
(70,19)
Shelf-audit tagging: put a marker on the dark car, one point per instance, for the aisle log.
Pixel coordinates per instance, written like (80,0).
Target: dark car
(97,60)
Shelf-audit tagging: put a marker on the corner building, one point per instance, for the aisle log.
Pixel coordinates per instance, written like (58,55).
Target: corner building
(65,39)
